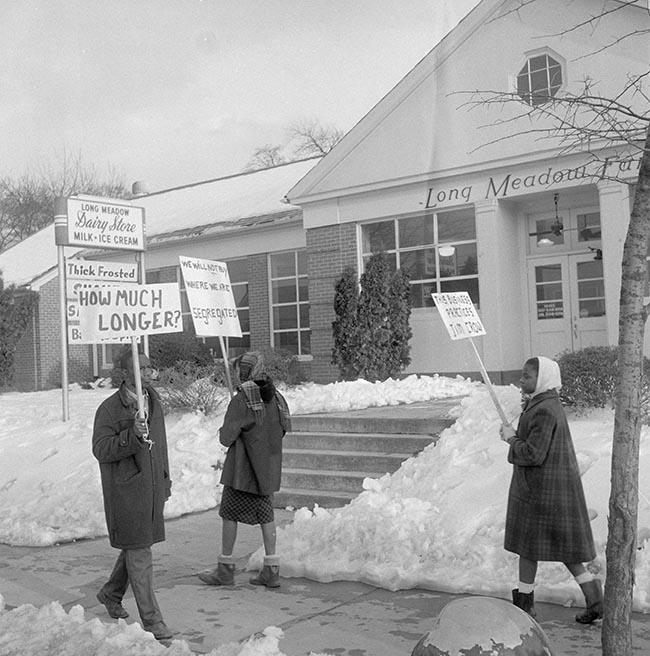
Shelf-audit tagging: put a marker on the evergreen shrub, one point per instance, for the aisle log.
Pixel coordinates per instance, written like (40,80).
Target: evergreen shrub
(589,378)
(344,326)
(16,307)
(372,329)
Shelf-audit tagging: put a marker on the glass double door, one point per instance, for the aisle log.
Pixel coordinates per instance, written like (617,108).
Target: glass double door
(567,303)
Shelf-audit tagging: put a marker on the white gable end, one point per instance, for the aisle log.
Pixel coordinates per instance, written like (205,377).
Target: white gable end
(426,127)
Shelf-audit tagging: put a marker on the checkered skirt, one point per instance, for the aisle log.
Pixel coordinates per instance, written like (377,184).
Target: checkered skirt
(245,507)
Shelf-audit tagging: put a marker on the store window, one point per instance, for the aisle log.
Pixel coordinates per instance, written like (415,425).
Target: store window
(438,250)
(539,80)
(290,301)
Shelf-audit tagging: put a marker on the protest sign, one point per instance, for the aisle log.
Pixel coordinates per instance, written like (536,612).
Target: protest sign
(131,310)
(87,274)
(462,322)
(459,315)
(210,297)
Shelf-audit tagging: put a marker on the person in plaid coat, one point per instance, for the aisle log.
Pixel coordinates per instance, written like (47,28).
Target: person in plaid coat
(547,517)
(255,423)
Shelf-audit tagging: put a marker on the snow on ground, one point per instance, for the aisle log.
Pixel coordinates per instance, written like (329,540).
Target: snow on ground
(436,523)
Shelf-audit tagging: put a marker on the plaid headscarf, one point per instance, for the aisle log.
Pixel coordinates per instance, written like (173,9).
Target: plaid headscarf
(250,367)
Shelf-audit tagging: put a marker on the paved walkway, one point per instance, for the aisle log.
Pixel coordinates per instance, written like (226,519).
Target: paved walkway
(342,618)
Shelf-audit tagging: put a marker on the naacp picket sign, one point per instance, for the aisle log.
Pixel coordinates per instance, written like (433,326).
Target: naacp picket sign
(131,310)
(90,274)
(459,315)
(210,297)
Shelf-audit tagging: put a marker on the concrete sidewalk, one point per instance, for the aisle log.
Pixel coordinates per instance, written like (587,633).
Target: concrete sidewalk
(342,618)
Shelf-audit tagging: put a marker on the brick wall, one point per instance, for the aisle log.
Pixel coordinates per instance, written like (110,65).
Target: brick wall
(330,249)
(49,338)
(258,301)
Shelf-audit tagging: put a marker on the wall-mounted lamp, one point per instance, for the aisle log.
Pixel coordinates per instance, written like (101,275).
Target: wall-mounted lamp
(598,252)
(446,251)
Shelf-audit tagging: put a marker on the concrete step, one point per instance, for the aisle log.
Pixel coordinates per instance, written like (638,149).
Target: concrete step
(326,480)
(384,424)
(319,459)
(299,498)
(376,442)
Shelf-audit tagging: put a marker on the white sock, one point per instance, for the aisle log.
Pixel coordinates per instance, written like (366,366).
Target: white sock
(585,577)
(526,588)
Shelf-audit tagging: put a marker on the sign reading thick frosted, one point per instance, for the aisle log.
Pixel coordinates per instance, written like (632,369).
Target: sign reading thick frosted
(129,310)
(459,315)
(210,297)
(105,224)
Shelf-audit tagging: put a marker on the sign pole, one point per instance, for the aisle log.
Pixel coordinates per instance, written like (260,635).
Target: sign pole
(226,364)
(136,375)
(488,383)
(461,320)
(61,238)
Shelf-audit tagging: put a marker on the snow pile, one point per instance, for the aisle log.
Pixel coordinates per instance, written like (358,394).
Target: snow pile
(310,398)
(28,631)
(438,522)
(50,488)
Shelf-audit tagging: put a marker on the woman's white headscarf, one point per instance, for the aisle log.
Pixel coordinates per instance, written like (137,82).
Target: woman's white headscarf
(548,376)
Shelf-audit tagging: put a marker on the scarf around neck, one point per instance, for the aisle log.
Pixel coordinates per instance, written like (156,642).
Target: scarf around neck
(251,391)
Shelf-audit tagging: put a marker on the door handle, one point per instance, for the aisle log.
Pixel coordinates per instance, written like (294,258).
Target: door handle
(575,327)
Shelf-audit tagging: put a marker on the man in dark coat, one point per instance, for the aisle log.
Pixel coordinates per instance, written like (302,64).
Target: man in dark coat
(547,517)
(134,466)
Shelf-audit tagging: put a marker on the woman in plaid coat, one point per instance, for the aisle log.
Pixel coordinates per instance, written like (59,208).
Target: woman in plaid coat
(547,516)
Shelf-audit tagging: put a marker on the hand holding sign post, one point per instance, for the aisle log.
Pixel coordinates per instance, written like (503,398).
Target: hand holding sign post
(462,322)
(211,301)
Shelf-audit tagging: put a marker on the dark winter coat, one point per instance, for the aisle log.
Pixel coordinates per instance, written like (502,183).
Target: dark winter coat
(547,515)
(254,459)
(135,479)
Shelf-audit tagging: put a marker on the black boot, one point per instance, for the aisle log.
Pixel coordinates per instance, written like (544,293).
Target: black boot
(593,592)
(223,574)
(269,575)
(524,601)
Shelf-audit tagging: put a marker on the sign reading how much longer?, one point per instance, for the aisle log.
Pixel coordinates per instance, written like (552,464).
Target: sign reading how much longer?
(133,310)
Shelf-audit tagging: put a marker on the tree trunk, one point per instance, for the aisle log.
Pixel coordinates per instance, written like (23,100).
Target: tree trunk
(624,494)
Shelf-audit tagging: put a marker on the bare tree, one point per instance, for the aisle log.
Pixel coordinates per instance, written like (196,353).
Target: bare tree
(312,138)
(265,157)
(27,202)
(589,122)
(305,138)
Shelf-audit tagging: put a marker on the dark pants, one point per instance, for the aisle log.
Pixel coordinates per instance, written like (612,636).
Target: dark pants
(135,566)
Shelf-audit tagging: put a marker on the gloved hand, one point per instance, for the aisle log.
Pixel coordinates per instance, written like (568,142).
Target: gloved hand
(507,433)
(140,427)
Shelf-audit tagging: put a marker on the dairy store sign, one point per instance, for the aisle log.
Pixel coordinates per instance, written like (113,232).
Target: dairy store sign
(105,224)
